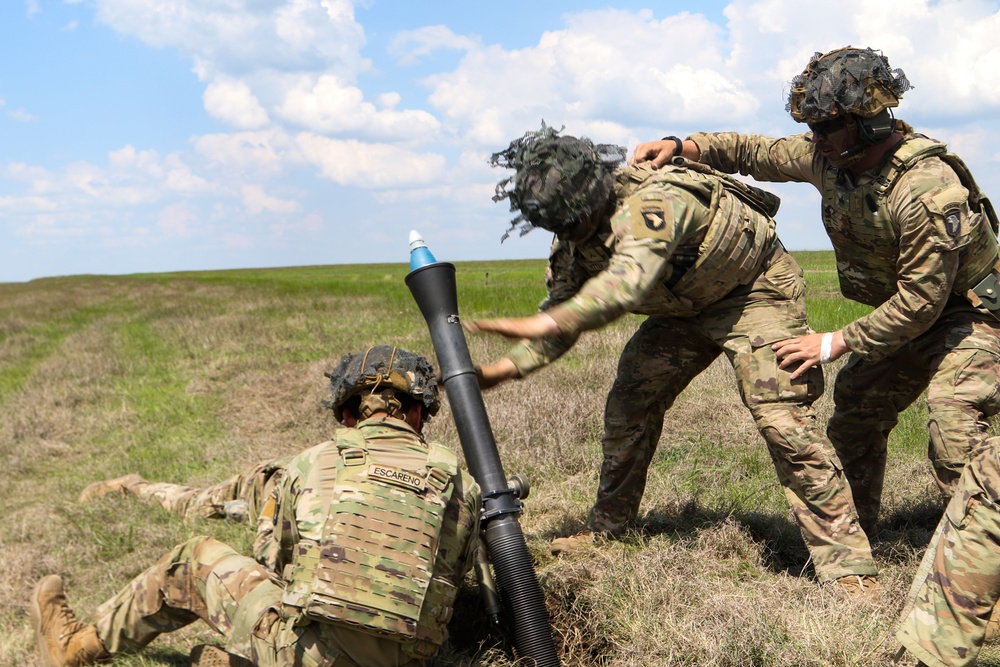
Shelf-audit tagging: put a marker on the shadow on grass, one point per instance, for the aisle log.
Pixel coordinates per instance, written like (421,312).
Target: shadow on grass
(782,548)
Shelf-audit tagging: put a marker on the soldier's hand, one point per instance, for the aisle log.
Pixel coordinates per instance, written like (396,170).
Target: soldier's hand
(496,373)
(536,326)
(657,152)
(804,352)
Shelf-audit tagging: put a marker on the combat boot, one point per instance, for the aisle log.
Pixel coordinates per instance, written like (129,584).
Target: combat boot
(565,545)
(116,485)
(62,640)
(859,585)
(208,655)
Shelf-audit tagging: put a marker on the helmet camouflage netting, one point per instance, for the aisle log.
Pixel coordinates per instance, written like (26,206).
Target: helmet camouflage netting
(845,81)
(559,182)
(383,367)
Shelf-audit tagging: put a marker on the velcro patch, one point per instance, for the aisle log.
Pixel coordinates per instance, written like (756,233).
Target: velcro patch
(655,219)
(952,222)
(398,477)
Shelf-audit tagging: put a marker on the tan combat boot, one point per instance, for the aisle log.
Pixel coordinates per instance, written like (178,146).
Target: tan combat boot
(62,640)
(566,545)
(116,485)
(207,655)
(859,585)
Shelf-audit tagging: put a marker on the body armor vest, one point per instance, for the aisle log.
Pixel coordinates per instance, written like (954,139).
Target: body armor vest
(739,238)
(866,239)
(373,568)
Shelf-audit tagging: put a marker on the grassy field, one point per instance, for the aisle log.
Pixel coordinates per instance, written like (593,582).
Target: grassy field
(188,377)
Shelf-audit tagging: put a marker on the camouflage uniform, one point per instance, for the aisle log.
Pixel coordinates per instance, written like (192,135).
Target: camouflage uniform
(958,583)
(252,486)
(245,599)
(737,298)
(910,240)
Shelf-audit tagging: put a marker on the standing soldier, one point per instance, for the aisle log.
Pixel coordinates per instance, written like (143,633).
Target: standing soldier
(695,250)
(915,238)
(947,615)
(359,553)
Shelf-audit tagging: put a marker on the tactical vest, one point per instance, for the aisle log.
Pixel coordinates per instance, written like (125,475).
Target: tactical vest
(739,238)
(866,239)
(373,567)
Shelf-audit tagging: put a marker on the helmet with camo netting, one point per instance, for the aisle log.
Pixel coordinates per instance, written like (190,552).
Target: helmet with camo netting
(377,374)
(561,183)
(845,81)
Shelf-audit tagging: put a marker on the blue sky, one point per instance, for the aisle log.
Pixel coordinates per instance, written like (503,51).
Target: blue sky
(163,135)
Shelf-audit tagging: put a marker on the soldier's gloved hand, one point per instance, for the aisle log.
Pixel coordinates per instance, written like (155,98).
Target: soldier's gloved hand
(496,373)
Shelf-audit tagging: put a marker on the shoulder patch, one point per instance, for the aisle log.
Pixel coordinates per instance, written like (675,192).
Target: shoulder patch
(655,219)
(952,222)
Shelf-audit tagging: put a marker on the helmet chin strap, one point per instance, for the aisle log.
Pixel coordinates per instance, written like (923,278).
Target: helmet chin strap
(858,150)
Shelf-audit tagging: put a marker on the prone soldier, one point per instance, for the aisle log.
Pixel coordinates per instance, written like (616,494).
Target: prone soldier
(359,552)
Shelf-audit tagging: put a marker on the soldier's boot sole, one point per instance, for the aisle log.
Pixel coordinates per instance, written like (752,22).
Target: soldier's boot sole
(62,640)
(209,655)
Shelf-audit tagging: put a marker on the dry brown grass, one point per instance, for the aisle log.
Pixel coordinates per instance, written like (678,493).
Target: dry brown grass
(188,378)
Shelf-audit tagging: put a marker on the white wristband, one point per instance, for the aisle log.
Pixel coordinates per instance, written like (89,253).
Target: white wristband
(826,348)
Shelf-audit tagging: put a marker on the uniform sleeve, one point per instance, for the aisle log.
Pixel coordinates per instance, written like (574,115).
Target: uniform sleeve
(928,260)
(760,157)
(636,265)
(649,226)
(276,528)
(562,280)
(470,532)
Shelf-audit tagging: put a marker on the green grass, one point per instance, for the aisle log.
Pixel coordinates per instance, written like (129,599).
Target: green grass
(189,377)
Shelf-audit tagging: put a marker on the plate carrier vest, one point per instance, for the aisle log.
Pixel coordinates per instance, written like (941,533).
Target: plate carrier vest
(373,568)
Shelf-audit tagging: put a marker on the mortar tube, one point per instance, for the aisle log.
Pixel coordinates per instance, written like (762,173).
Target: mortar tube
(433,287)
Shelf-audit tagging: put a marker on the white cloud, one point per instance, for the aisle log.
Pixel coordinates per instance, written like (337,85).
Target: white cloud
(412,45)
(257,201)
(235,36)
(264,152)
(176,220)
(363,165)
(21,116)
(605,66)
(330,105)
(233,102)
(947,47)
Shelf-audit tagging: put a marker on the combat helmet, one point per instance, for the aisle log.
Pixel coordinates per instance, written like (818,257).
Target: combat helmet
(561,183)
(377,375)
(856,84)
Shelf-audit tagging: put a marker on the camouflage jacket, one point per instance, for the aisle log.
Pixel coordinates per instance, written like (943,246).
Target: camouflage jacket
(680,239)
(909,236)
(295,511)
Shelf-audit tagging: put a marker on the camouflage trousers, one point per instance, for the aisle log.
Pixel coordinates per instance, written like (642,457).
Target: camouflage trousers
(662,358)
(958,582)
(958,362)
(252,486)
(241,600)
